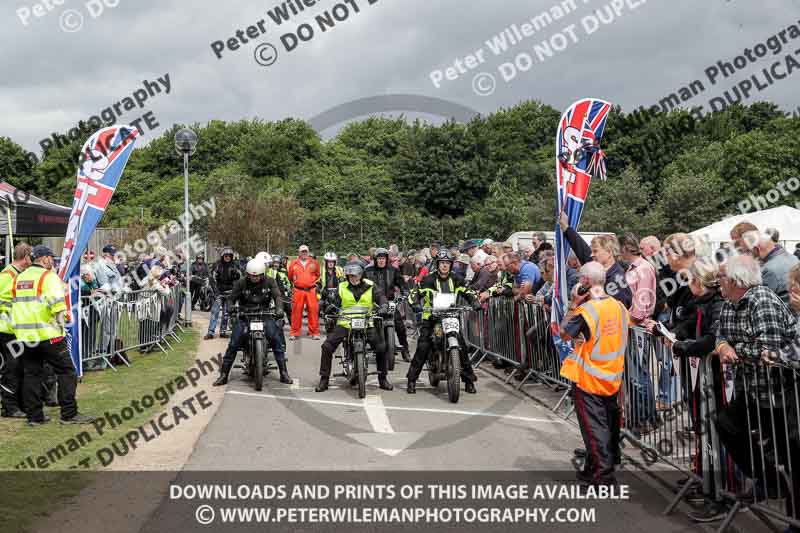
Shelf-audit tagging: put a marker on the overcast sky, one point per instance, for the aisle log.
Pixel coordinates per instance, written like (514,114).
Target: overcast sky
(53,78)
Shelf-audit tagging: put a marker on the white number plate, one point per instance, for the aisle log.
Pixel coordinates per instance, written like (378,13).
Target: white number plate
(450,325)
(256,326)
(359,323)
(392,306)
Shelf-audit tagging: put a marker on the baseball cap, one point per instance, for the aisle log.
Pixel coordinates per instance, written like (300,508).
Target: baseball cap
(41,251)
(109,249)
(487,242)
(303,248)
(463,258)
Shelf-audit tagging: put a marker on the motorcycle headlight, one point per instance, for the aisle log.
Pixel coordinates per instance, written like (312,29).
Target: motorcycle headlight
(437,330)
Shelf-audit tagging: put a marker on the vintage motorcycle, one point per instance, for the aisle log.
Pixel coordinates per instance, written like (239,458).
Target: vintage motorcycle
(444,361)
(354,355)
(255,357)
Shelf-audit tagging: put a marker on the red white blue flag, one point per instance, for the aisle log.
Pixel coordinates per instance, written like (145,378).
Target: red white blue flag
(102,160)
(578,159)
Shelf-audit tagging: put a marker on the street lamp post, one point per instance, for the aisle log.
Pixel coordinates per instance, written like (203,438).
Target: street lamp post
(186,143)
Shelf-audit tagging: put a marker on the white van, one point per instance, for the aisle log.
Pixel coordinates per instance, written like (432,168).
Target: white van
(521,239)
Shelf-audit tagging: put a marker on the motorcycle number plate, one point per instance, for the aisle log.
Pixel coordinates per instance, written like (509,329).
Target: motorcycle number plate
(450,325)
(256,326)
(359,323)
(392,306)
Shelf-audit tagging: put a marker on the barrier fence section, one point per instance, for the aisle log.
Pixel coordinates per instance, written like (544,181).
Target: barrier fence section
(112,325)
(734,430)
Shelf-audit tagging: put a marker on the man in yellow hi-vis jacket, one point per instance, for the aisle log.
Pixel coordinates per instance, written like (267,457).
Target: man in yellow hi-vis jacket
(37,316)
(599,326)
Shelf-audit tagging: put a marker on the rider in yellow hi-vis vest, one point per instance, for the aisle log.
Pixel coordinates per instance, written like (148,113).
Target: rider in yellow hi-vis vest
(356,296)
(599,326)
(37,315)
(11,378)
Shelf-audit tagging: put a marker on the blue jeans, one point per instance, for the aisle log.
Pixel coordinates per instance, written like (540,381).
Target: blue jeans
(644,407)
(240,337)
(667,383)
(219,301)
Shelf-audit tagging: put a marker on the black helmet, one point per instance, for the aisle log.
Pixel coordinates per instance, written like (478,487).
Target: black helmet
(381,251)
(354,268)
(276,259)
(444,255)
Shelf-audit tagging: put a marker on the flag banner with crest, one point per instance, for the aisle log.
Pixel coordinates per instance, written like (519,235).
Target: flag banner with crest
(578,159)
(102,160)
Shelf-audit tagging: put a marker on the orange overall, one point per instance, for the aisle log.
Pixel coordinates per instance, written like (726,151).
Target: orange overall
(304,279)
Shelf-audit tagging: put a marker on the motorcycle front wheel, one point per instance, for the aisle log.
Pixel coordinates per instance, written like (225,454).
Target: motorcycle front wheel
(360,360)
(454,375)
(258,363)
(390,347)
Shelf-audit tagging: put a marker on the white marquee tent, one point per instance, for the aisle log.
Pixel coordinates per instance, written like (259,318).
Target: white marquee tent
(784,218)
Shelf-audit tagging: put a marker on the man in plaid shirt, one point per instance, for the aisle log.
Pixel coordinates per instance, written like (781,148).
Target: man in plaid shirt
(753,324)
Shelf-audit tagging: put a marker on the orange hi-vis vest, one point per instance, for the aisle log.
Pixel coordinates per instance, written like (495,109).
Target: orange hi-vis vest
(597,365)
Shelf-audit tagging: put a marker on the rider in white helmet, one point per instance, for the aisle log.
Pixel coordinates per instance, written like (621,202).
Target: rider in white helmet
(265,258)
(328,284)
(256,292)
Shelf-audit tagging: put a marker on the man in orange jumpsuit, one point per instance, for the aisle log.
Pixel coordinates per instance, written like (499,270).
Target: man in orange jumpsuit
(304,273)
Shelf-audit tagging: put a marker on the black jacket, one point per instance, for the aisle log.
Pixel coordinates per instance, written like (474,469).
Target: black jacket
(224,275)
(199,269)
(704,313)
(262,295)
(616,286)
(429,282)
(386,279)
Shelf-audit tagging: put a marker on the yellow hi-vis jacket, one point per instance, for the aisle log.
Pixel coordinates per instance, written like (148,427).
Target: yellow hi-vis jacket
(38,295)
(362,307)
(597,365)
(6,284)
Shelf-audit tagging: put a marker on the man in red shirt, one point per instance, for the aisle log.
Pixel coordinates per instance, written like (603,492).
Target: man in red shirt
(304,273)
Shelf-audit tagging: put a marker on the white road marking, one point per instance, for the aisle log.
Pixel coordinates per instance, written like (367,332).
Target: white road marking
(376,413)
(403,408)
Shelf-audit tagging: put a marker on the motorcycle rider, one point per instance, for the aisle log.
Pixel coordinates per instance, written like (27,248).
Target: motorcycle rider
(328,283)
(442,280)
(256,292)
(198,273)
(388,278)
(222,276)
(355,293)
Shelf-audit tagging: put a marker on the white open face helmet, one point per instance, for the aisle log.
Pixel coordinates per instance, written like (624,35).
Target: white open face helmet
(264,257)
(255,267)
(330,256)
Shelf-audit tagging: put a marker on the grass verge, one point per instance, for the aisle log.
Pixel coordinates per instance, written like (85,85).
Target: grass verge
(34,494)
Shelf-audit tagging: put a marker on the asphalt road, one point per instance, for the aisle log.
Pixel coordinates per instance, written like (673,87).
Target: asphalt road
(389,434)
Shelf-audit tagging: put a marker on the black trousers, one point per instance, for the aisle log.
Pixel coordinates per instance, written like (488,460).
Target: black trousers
(400,328)
(339,334)
(732,427)
(33,360)
(599,419)
(424,349)
(11,378)
(194,289)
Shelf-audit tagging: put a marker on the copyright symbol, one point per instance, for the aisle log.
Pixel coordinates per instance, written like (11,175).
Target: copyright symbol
(265,54)
(484,84)
(204,515)
(71,21)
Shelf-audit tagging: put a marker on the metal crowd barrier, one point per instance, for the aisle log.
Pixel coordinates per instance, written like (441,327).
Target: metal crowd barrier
(737,438)
(113,325)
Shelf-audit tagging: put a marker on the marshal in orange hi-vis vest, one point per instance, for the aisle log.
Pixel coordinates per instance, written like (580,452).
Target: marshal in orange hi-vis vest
(597,365)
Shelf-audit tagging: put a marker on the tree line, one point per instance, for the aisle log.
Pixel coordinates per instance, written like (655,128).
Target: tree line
(384,180)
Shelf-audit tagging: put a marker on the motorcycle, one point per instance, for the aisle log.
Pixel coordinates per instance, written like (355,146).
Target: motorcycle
(354,354)
(328,296)
(206,299)
(256,353)
(444,361)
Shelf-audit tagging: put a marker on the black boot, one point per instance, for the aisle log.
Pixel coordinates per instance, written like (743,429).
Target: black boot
(470,387)
(223,376)
(323,384)
(285,378)
(406,356)
(411,388)
(384,383)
